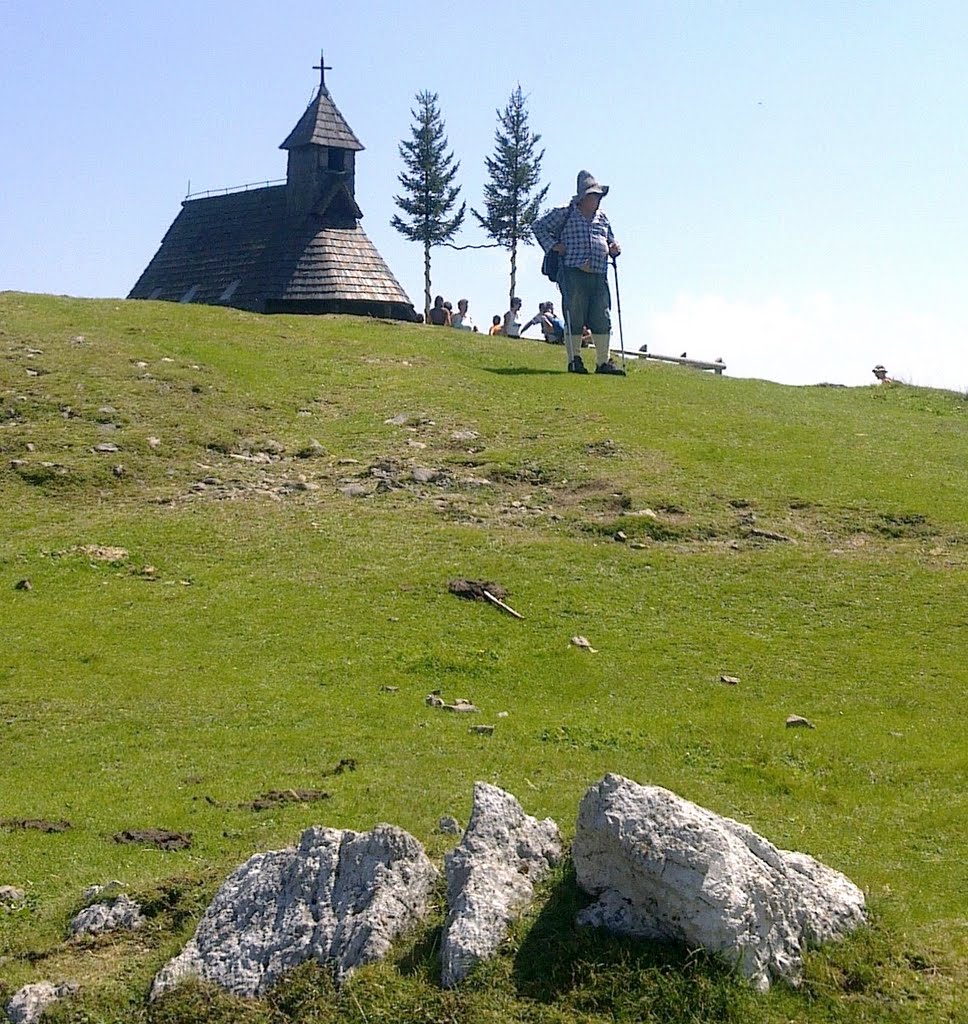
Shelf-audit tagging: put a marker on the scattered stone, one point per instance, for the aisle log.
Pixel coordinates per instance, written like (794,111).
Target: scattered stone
(339,897)
(729,680)
(422,475)
(461,705)
(106,891)
(400,420)
(621,536)
(23,585)
(503,714)
(278,797)
(666,869)
(106,448)
(491,877)
(649,513)
(464,435)
(119,914)
(313,450)
(118,471)
(771,535)
(29,1003)
(448,826)
(419,445)
(347,462)
(473,590)
(18,463)
(100,553)
(389,689)
(35,824)
(161,838)
(355,491)
(582,642)
(11,896)
(637,545)
(154,442)
(31,447)
(799,722)
(481,730)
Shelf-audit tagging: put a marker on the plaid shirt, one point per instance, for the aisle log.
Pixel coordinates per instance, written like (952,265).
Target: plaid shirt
(586,241)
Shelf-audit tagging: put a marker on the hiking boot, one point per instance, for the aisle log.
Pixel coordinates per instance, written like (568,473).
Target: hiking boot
(611,368)
(577,366)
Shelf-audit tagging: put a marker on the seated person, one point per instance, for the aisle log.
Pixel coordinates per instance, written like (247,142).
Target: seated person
(462,319)
(496,326)
(552,327)
(440,315)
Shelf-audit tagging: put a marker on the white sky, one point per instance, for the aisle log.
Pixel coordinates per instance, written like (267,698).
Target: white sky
(787,177)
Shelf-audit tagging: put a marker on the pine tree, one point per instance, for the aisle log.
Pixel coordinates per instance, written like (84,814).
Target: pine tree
(427,181)
(510,203)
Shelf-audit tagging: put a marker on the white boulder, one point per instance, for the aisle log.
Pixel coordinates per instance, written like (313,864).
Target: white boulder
(119,914)
(339,896)
(29,1003)
(491,877)
(665,868)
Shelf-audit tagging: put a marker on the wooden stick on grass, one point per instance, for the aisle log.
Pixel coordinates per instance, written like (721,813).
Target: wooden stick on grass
(501,604)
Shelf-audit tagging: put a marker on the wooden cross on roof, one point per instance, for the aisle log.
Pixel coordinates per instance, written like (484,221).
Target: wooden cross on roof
(322,68)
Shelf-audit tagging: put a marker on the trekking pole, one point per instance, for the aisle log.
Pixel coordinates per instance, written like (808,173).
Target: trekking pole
(618,306)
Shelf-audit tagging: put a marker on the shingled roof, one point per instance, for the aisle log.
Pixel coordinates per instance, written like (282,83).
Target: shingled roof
(296,247)
(322,125)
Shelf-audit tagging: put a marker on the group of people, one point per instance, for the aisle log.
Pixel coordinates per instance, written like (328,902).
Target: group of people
(581,237)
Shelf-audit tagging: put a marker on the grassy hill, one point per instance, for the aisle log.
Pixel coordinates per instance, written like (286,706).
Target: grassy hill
(247,592)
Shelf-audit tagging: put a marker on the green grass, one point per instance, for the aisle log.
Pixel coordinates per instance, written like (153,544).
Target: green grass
(253,654)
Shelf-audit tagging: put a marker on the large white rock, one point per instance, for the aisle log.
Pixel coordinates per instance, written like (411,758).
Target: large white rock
(119,914)
(665,868)
(29,1002)
(340,896)
(491,877)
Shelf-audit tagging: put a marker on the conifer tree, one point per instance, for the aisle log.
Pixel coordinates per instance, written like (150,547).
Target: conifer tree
(429,192)
(510,202)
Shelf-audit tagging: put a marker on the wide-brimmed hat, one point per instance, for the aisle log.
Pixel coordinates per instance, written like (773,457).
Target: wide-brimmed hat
(587,184)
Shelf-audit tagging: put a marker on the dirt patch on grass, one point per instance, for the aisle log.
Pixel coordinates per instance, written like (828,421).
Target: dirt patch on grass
(279,797)
(35,824)
(473,590)
(161,838)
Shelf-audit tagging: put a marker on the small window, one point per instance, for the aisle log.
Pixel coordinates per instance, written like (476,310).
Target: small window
(155,292)
(230,290)
(337,159)
(190,294)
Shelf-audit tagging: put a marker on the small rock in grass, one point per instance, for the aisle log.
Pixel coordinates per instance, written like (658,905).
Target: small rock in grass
(400,420)
(154,442)
(729,680)
(354,491)
(107,448)
(449,825)
(30,1002)
(799,722)
(503,714)
(582,642)
(481,730)
(119,914)
(11,896)
(423,475)
(621,536)
(23,585)
(118,471)
(389,689)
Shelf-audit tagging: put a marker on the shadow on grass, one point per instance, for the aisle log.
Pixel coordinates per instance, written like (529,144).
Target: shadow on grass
(520,371)
(595,972)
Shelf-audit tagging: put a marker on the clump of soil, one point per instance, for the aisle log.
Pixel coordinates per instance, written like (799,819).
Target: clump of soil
(161,838)
(473,590)
(35,824)
(278,797)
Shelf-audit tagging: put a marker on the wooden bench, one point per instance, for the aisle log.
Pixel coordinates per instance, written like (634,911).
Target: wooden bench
(697,364)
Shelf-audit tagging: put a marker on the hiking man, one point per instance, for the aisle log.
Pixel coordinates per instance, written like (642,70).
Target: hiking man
(582,236)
